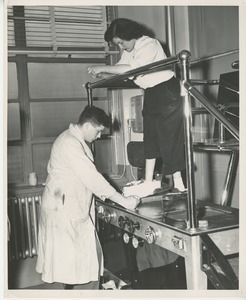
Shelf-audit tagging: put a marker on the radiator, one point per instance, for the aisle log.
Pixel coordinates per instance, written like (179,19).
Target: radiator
(23,213)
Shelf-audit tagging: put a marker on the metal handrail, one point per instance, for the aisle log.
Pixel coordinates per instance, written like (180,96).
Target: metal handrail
(150,68)
(187,90)
(205,81)
(212,109)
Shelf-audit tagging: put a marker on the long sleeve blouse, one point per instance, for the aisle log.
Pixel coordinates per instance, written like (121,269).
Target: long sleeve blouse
(146,51)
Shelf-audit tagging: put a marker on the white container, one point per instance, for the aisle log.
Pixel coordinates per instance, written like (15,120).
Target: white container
(33,180)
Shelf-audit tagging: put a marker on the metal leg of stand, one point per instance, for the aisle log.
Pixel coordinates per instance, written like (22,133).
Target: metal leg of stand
(196,279)
(230,179)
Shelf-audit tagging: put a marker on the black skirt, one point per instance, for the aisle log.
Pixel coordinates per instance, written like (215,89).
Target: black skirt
(163,120)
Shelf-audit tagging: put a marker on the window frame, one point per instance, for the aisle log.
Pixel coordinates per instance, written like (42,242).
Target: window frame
(24,100)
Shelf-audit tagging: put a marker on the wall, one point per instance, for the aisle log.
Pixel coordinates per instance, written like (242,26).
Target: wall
(151,16)
(181,33)
(226,31)
(208,25)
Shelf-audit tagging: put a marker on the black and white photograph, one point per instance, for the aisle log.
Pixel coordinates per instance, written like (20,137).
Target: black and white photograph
(122,173)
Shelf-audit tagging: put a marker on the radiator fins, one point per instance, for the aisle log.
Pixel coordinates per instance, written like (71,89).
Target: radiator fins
(23,213)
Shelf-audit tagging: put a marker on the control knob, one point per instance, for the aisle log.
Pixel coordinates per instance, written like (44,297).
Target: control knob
(151,234)
(126,238)
(122,222)
(137,242)
(132,226)
(107,216)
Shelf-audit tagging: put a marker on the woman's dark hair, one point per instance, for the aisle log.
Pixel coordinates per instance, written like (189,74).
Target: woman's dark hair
(95,115)
(124,29)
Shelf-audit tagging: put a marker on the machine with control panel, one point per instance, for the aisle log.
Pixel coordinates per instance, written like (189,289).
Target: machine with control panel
(170,230)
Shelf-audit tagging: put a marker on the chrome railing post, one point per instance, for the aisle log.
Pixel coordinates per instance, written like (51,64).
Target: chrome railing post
(90,103)
(230,177)
(184,57)
(89,93)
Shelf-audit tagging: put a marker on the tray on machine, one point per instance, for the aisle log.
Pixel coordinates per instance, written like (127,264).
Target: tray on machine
(171,209)
(209,216)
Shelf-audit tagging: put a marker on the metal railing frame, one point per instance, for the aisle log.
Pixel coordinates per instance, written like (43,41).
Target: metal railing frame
(187,90)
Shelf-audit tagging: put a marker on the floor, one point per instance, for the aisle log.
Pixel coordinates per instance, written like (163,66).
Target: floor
(47,286)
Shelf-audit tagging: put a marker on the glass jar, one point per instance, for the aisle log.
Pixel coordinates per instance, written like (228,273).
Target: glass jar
(33,180)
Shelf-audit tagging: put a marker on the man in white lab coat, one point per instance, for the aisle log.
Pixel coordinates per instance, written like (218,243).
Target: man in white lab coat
(68,248)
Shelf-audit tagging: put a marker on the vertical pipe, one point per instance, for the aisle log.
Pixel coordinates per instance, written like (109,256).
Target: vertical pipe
(39,200)
(221,133)
(28,225)
(170,30)
(15,234)
(184,57)
(21,202)
(35,225)
(196,279)
(230,178)
(90,100)
(89,93)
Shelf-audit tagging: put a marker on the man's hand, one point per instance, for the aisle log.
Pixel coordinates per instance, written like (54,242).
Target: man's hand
(131,202)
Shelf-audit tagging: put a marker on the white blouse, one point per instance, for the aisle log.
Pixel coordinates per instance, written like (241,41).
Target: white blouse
(146,51)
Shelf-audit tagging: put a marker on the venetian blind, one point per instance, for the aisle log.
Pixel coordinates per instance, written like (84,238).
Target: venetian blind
(57,27)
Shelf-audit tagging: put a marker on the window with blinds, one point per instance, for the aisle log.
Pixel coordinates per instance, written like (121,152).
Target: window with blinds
(57,28)
(55,46)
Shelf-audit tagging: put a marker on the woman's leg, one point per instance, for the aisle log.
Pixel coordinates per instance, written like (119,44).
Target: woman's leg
(178,181)
(149,169)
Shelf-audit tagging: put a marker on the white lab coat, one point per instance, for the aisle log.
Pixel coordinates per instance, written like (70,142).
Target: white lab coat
(67,237)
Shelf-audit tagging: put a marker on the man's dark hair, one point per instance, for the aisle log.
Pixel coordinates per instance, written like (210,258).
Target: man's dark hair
(124,29)
(95,115)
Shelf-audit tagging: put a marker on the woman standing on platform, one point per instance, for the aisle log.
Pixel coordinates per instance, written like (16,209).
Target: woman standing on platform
(162,109)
